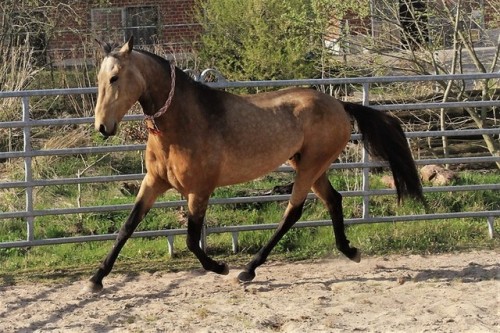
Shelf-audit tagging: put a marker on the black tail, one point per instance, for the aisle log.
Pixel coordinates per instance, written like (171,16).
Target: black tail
(383,137)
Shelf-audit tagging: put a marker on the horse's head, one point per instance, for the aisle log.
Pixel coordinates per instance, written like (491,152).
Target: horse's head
(120,84)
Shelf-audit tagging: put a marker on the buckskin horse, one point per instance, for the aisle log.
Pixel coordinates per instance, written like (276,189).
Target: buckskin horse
(202,138)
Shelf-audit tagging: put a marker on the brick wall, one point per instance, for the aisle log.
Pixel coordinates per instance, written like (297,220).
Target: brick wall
(177,30)
(73,37)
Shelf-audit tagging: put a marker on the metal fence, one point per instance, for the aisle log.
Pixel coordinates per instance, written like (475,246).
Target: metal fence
(29,214)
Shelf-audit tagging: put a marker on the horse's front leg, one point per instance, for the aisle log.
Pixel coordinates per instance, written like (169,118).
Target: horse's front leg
(151,188)
(197,207)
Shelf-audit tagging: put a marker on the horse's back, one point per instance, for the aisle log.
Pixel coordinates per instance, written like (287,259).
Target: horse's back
(309,106)
(262,131)
(317,116)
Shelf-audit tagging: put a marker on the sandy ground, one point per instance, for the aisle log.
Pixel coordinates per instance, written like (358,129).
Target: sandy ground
(439,293)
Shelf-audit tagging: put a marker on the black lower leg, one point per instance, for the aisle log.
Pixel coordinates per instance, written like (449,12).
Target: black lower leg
(195,225)
(293,215)
(334,205)
(124,234)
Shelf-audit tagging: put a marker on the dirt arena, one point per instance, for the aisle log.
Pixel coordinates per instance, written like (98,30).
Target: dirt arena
(439,293)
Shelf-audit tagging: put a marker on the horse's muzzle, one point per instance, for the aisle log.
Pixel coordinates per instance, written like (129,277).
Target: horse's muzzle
(105,131)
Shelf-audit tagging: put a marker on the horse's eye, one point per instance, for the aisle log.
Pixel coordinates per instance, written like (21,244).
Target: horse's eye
(113,79)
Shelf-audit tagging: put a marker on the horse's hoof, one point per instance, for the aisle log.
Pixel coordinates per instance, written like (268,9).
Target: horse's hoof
(224,269)
(357,256)
(246,276)
(92,288)
(219,268)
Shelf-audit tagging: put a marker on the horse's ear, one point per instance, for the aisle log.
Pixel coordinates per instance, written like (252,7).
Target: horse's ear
(105,47)
(128,46)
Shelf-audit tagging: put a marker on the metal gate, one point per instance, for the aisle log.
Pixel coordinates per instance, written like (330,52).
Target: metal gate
(27,185)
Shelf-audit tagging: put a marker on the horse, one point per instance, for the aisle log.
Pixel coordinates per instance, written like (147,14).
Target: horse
(201,138)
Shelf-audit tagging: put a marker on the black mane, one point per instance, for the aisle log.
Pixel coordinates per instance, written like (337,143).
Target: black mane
(165,63)
(208,97)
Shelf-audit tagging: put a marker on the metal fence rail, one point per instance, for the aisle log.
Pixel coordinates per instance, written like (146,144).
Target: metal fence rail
(29,214)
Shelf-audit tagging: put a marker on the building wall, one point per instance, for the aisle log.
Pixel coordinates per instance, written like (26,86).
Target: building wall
(73,37)
(77,27)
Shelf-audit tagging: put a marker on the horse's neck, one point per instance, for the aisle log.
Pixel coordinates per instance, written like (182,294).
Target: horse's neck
(157,84)
(147,103)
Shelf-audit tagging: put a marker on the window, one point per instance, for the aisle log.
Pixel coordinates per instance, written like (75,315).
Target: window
(142,23)
(413,18)
(117,24)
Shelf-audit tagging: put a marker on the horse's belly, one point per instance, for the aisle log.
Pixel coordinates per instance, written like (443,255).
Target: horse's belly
(242,173)
(249,164)
(256,141)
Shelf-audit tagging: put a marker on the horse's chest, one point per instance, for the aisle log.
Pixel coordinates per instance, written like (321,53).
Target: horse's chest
(178,168)
(175,172)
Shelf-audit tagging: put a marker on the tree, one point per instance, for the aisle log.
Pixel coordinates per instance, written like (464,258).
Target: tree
(26,29)
(437,37)
(267,39)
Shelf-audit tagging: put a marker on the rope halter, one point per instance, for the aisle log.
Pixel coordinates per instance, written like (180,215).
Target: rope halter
(155,130)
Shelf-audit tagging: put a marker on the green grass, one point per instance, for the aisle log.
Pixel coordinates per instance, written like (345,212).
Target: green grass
(73,260)
(77,260)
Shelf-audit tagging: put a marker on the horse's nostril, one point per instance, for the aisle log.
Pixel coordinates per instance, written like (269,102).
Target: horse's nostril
(102,130)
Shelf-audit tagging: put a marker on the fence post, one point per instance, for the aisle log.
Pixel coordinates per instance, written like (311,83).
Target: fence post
(28,171)
(366,159)
(170,242)
(234,238)
(491,229)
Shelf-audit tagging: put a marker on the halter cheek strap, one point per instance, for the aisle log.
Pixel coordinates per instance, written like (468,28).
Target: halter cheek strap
(155,130)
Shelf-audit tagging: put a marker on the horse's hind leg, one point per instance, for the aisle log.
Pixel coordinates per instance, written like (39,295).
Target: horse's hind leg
(292,214)
(333,202)
(150,189)
(197,206)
